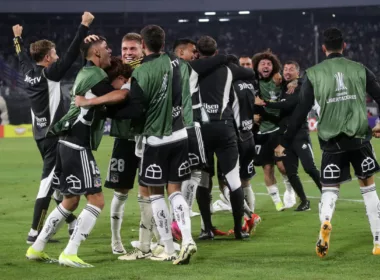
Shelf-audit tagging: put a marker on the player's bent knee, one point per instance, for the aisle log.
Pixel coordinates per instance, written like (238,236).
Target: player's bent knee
(96,200)
(122,191)
(71,202)
(367,181)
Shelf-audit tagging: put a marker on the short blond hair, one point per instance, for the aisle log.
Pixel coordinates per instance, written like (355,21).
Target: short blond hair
(132,37)
(40,48)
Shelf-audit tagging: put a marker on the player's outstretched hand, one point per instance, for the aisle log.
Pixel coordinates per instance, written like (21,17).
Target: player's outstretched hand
(81,101)
(87,18)
(91,38)
(292,87)
(259,101)
(279,151)
(376,130)
(17,30)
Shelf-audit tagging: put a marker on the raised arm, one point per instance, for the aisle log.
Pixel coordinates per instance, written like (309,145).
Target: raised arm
(25,63)
(57,70)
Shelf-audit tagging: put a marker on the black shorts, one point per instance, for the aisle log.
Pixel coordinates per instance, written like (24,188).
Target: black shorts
(246,156)
(197,154)
(163,164)
(265,145)
(48,151)
(76,171)
(335,167)
(123,165)
(220,139)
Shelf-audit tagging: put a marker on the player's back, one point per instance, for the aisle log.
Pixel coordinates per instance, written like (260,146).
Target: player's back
(339,88)
(215,91)
(161,81)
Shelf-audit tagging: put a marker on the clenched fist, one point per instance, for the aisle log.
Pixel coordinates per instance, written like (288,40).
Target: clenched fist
(17,30)
(87,18)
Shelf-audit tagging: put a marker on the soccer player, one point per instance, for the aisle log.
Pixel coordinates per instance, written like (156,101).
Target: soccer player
(124,163)
(338,86)
(42,82)
(267,66)
(160,95)
(301,148)
(199,68)
(81,130)
(246,62)
(243,107)
(219,135)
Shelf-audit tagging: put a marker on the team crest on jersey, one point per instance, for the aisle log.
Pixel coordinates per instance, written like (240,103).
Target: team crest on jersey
(97,182)
(273,95)
(114,177)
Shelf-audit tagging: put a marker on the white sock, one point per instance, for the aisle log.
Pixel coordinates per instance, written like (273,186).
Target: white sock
(146,223)
(247,211)
(372,204)
(117,214)
(182,216)
(161,217)
(189,187)
(287,184)
(56,217)
(328,200)
(274,193)
(84,226)
(249,197)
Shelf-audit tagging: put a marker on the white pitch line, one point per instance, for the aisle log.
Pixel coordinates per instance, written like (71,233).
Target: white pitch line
(311,197)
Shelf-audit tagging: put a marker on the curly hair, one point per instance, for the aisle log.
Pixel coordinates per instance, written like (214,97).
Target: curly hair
(117,68)
(269,56)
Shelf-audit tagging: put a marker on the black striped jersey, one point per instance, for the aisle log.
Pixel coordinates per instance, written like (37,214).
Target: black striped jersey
(43,85)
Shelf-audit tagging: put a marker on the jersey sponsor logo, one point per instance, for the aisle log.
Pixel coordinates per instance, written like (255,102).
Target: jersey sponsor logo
(175,62)
(341,98)
(339,80)
(184,169)
(245,86)
(51,225)
(31,80)
(162,93)
(368,164)
(340,90)
(331,171)
(163,222)
(41,122)
(211,109)
(247,124)
(153,171)
(176,111)
(273,95)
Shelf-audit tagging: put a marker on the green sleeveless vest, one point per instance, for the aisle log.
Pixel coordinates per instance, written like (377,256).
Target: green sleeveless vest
(340,91)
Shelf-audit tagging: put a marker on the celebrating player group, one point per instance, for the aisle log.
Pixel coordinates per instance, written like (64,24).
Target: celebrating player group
(171,112)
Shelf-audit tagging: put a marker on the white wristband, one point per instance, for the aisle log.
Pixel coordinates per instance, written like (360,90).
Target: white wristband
(126,86)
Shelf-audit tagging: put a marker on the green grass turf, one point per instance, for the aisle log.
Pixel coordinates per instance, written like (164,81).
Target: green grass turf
(283,246)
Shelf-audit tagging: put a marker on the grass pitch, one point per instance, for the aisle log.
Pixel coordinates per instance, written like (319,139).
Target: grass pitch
(283,246)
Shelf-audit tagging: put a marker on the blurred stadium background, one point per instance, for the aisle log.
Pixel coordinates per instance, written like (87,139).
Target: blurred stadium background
(290,28)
